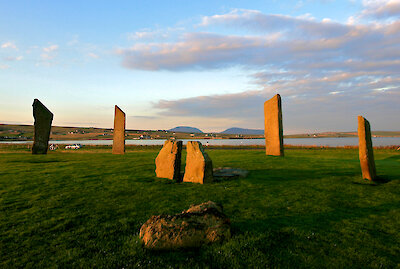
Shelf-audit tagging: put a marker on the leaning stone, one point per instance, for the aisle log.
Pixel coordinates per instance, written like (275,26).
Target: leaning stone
(168,161)
(199,167)
(43,119)
(119,132)
(273,126)
(365,150)
(201,224)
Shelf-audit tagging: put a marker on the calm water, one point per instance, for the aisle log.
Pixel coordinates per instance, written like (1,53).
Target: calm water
(334,141)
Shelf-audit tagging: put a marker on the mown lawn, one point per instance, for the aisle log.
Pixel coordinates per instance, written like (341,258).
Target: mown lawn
(308,209)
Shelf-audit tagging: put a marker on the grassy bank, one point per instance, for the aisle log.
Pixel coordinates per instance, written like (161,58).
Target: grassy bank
(308,209)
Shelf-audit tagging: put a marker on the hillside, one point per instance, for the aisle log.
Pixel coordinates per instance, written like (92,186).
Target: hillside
(186,129)
(242,131)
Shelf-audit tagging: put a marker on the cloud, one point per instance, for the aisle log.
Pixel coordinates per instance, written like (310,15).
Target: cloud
(4,66)
(93,55)
(381,9)
(148,35)
(12,58)
(194,51)
(327,72)
(255,20)
(50,48)
(49,52)
(9,45)
(144,117)
(154,34)
(301,113)
(281,41)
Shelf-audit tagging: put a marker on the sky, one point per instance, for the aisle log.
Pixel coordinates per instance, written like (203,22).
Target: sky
(205,64)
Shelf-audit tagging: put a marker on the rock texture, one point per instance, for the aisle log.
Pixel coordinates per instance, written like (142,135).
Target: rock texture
(227,173)
(365,149)
(199,167)
(168,161)
(119,132)
(273,126)
(43,119)
(201,224)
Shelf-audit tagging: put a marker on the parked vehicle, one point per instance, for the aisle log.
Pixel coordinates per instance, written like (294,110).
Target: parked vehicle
(53,147)
(74,146)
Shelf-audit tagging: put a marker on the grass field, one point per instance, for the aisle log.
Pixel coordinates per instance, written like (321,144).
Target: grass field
(308,209)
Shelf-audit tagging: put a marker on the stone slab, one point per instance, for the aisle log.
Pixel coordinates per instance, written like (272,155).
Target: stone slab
(273,126)
(227,173)
(199,168)
(42,127)
(119,132)
(168,161)
(365,149)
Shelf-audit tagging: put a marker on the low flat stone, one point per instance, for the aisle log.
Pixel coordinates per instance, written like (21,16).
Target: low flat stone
(168,161)
(222,173)
(200,224)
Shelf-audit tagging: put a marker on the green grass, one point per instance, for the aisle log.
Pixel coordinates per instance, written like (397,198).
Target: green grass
(308,209)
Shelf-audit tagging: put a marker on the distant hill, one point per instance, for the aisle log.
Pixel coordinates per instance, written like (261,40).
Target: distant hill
(243,131)
(185,129)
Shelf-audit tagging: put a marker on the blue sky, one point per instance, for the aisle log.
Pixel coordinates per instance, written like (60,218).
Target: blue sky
(207,64)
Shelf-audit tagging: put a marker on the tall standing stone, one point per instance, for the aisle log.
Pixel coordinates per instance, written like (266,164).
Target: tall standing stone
(199,168)
(168,161)
(119,132)
(365,150)
(43,119)
(273,126)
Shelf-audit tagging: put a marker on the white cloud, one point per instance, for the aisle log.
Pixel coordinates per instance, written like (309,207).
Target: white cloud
(327,72)
(154,34)
(9,45)
(49,52)
(93,55)
(12,58)
(4,66)
(381,9)
(50,48)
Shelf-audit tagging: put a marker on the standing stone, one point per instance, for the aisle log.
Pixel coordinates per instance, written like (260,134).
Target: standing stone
(43,119)
(273,126)
(168,161)
(365,150)
(119,132)
(199,168)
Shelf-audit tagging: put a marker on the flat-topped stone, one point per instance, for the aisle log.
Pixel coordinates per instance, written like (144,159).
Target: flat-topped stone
(168,161)
(42,127)
(119,132)
(273,126)
(226,173)
(199,167)
(365,149)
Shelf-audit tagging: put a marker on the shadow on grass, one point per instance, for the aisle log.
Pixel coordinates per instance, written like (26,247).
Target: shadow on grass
(395,157)
(295,174)
(273,245)
(314,220)
(35,161)
(382,179)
